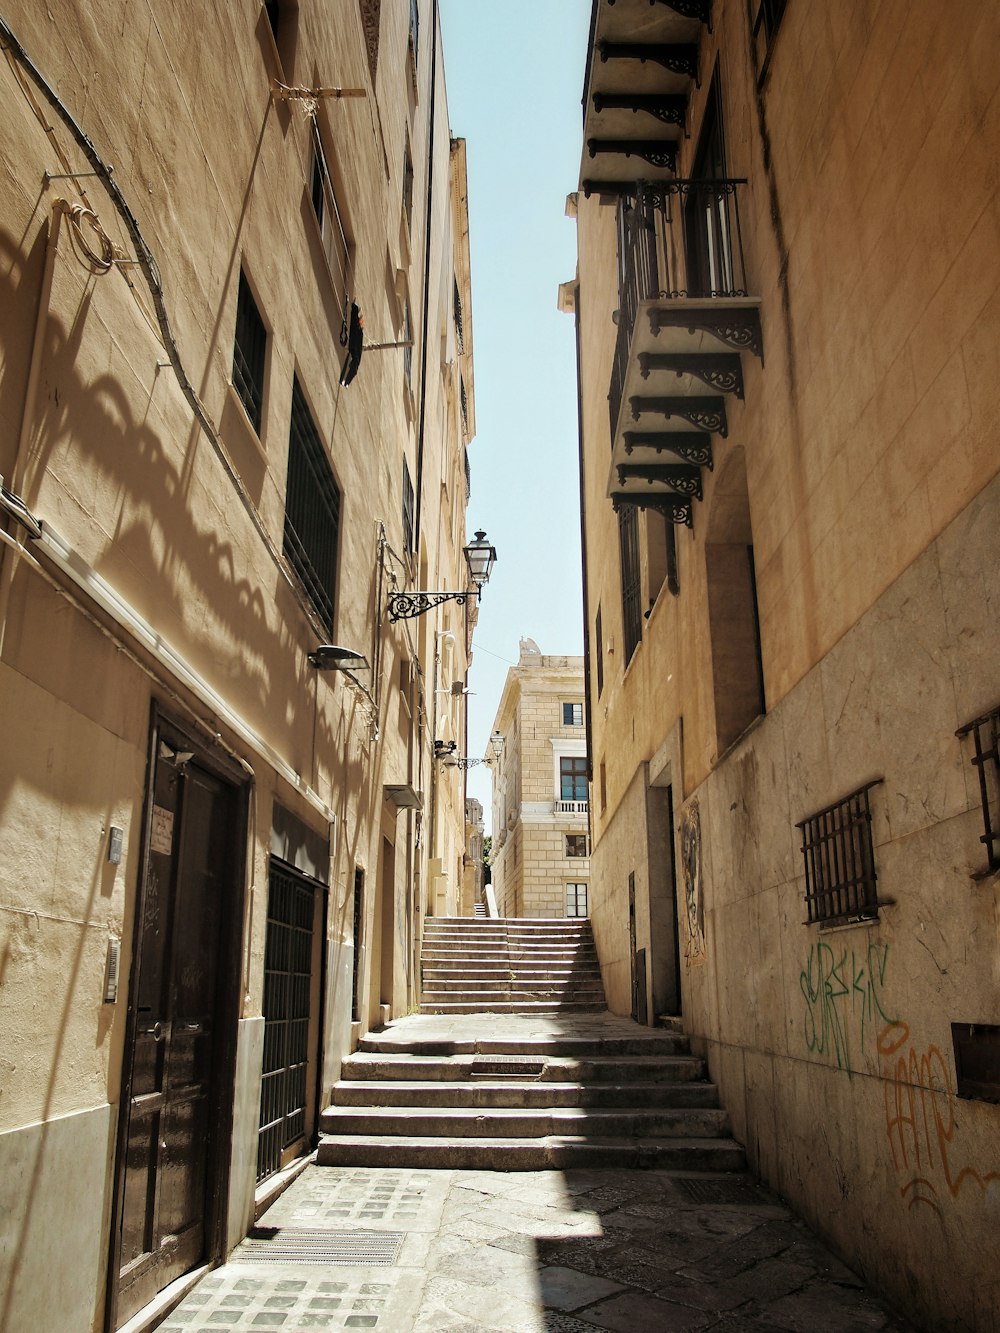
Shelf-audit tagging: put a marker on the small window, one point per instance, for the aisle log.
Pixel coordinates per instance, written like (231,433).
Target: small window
(765,28)
(985,733)
(572,715)
(576,844)
(977,1060)
(840,861)
(408,188)
(459,317)
(407,341)
(407,509)
(576,900)
(599,652)
(312,511)
(249,348)
(414,34)
(572,778)
(330,217)
(628,549)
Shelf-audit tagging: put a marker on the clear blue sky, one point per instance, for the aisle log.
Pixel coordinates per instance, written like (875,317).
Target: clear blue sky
(515,79)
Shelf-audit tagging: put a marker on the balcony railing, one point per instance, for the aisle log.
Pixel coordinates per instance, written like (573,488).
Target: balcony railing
(678,239)
(571,807)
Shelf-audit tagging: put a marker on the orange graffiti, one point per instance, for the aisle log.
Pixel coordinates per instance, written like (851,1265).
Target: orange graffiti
(920,1120)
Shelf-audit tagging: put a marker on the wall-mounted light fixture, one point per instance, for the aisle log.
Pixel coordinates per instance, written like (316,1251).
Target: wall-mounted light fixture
(497,744)
(445,752)
(480,557)
(331,657)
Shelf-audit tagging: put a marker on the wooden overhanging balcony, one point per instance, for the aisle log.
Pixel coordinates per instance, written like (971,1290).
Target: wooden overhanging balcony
(685,318)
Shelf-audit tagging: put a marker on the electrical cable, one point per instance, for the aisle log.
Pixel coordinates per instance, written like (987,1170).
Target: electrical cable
(150,271)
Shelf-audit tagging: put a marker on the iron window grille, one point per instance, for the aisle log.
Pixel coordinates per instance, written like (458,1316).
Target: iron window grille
(576,900)
(407,343)
(985,732)
(841,883)
(572,715)
(765,27)
(249,348)
(312,511)
(628,547)
(459,317)
(599,650)
(572,778)
(330,217)
(287,986)
(407,509)
(408,189)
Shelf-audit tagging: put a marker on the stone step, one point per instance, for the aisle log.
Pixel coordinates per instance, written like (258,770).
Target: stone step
(521,1093)
(655,1045)
(451,1122)
(528,986)
(503,972)
(511,1007)
(634,1070)
(550,1153)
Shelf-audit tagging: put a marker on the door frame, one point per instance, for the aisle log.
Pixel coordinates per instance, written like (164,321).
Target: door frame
(224,1055)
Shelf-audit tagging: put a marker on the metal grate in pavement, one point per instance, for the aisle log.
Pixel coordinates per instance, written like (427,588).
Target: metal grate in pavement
(737,1190)
(282,1245)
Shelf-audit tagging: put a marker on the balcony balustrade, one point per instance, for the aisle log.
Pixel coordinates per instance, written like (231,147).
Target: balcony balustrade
(685,314)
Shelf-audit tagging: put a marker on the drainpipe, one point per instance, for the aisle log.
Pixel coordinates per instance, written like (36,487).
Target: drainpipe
(8,563)
(421,427)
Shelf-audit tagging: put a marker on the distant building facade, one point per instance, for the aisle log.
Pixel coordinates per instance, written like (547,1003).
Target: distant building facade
(236,395)
(541,843)
(788,313)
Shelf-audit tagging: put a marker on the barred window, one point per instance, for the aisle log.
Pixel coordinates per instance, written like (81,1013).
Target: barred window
(312,511)
(628,548)
(330,217)
(249,349)
(985,733)
(407,509)
(765,28)
(840,861)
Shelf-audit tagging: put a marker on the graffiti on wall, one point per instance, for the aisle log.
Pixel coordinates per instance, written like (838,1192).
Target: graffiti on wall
(694,903)
(844,993)
(920,1122)
(846,1008)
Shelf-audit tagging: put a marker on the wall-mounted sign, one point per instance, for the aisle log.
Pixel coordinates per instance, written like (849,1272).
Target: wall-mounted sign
(162,835)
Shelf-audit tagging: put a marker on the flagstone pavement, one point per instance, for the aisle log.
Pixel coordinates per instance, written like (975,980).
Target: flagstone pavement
(426,1251)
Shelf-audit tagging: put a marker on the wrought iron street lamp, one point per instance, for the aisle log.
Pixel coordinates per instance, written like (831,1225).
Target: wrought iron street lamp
(480,557)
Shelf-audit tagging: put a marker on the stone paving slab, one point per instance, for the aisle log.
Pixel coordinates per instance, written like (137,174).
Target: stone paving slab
(540,1252)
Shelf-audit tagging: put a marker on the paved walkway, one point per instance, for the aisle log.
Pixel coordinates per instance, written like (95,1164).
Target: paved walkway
(411,1251)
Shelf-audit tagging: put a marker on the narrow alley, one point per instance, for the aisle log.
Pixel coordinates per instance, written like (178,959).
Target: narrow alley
(518,1159)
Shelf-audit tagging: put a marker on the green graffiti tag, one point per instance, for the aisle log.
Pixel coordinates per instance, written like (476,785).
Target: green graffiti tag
(844,997)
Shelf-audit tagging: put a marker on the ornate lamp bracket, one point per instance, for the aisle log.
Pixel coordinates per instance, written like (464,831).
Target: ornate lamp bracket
(406,605)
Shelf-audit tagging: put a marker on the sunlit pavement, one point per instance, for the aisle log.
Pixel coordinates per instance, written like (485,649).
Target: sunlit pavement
(411,1251)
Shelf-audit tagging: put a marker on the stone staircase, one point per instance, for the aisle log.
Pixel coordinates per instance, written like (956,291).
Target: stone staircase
(506,966)
(480,1080)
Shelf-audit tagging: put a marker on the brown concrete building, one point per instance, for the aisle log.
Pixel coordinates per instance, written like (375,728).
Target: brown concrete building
(219,837)
(788,295)
(540,852)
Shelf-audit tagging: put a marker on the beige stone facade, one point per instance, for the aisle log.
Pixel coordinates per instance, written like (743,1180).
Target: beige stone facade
(791,585)
(540,858)
(201,825)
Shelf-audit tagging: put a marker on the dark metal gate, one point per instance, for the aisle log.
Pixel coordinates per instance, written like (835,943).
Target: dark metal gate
(288,983)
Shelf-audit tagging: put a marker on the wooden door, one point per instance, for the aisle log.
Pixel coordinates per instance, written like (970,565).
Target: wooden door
(178,1073)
